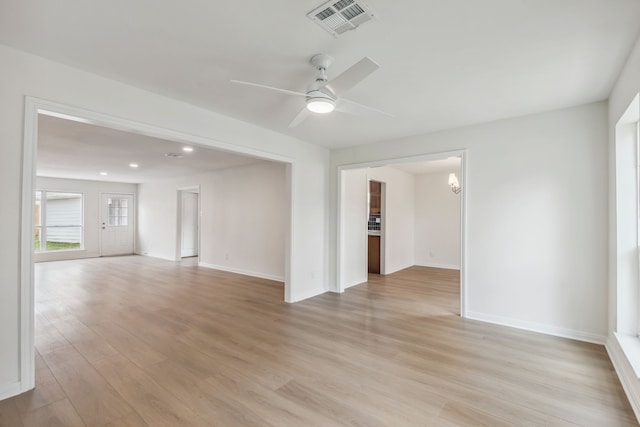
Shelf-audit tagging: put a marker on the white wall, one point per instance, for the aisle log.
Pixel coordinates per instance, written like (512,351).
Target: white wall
(536,195)
(157,217)
(624,91)
(247,224)
(23,75)
(437,221)
(398,228)
(91,191)
(354,211)
(243,223)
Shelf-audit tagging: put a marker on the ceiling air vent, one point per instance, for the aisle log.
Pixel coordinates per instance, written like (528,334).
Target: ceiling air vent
(338,17)
(173,155)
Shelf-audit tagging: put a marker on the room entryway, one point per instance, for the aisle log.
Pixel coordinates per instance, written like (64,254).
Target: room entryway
(375,250)
(189,224)
(398,214)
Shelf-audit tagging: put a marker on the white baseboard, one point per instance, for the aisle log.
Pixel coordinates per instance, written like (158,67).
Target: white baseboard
(537,327)
(626,374)
(242,271)
(10,390)
(306,295)
(354,283)
(396,269)
(150,255)
(440,265)
(63,255)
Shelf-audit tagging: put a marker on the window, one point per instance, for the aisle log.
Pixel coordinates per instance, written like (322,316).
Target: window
(118,212)
(58,221)
(627,241)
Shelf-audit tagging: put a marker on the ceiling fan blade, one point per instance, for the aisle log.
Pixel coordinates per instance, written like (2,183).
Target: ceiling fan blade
(276,89)
(352,107)
(352,76)
(303,114)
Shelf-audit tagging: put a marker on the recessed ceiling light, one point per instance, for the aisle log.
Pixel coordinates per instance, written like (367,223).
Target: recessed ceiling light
(133,165)
(104,173)
(187,149)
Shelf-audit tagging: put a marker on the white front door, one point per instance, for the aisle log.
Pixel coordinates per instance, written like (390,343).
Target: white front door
(189,224)
(116,223)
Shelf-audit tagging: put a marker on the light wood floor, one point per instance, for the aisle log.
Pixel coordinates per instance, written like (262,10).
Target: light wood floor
(134,341)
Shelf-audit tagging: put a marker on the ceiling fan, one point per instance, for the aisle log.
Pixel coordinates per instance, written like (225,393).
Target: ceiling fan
(323,95)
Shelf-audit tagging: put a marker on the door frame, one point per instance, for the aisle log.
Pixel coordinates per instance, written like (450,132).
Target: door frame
(383,226)
(179,192)
(32,108)
(133,214)
(462,153)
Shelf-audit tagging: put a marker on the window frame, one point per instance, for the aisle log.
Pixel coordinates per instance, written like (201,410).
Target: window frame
(43,227)
(118,217)
(627,234)
(637,167)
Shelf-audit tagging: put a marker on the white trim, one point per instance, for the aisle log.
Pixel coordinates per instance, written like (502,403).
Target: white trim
(306,295)
(426,157)
(27,300)
(537,327)
(151,255)
(242,271)
(340,287)
(625,373)
(353,283)
(440,265)
(11,389)
(289,241)
(65,255)
(463,233)
(34,106)
(383,230)
(396,269)
(630,345)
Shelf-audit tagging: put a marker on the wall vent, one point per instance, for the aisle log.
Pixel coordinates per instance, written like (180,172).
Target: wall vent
(338,17)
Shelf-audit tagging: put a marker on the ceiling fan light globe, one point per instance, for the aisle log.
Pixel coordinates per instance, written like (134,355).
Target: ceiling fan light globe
(321,106)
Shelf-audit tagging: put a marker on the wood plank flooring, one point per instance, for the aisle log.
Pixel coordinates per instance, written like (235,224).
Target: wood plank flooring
(134,341)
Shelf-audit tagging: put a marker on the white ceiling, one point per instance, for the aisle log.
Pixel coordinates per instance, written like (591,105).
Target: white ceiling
(78,150)
(75,150)
(444,64)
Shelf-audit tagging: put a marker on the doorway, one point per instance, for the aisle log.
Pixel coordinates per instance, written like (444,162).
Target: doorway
(188,223)
(407,192)
(35,108)
(375,229)
(116,224)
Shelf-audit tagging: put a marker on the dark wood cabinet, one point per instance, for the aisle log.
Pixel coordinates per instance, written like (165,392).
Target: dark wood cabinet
(375,197)
(374,254)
